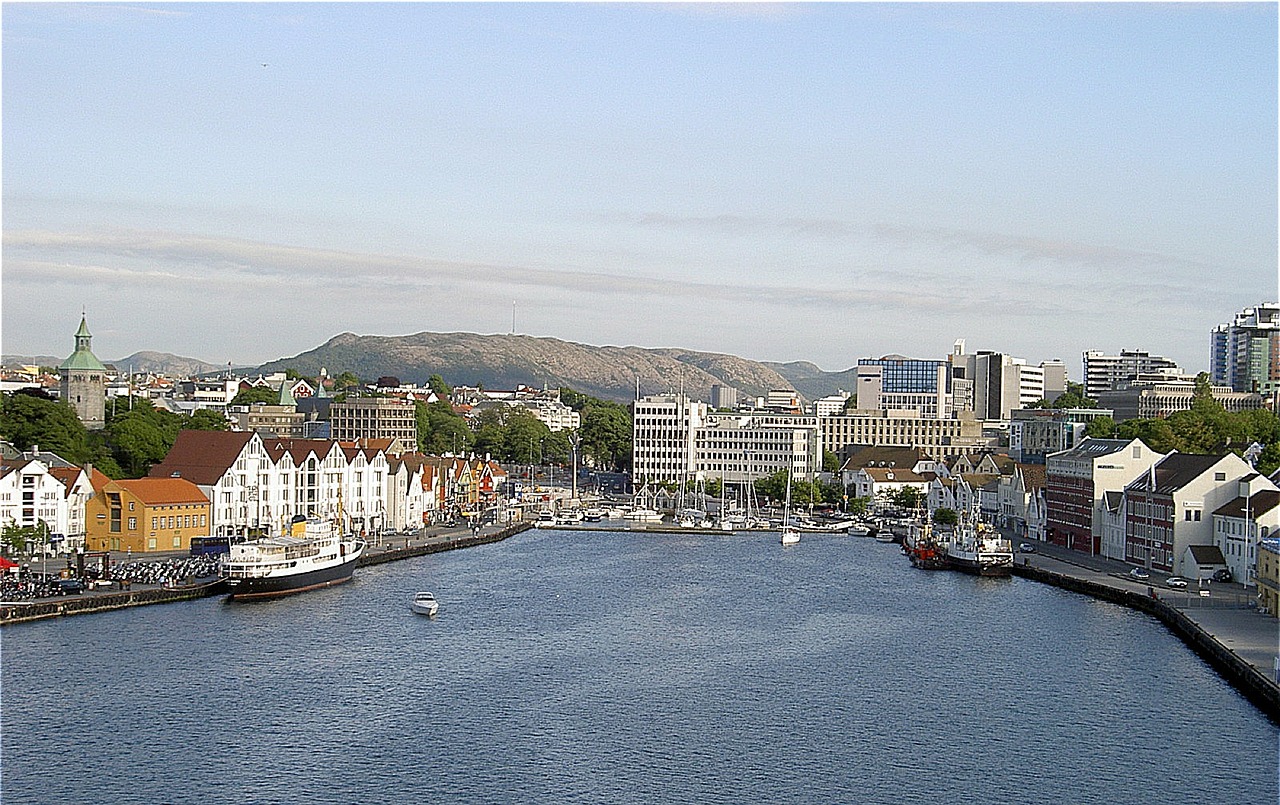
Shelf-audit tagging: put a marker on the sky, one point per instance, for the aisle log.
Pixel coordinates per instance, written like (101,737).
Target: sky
(823,182)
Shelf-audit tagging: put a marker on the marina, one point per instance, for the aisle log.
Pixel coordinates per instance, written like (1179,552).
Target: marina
(602,667)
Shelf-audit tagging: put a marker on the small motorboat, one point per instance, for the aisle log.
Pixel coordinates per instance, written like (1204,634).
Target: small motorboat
(425,604)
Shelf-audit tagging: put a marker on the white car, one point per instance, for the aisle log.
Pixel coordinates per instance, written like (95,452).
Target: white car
(1139,574)
(1176,582)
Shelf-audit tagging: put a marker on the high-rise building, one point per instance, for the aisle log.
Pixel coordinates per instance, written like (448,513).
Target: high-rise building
(376,418)
(994,383)
(895,383)
(1111,372)
(1245,354)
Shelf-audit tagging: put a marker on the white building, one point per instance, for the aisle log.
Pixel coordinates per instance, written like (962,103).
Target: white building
(1110,372)
(1241,525)
(662,435)
(32,492)
(744,447)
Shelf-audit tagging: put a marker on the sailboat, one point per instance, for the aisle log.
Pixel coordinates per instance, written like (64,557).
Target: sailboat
(790,536)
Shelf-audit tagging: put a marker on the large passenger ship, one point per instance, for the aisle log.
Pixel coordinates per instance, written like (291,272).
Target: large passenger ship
(313,554)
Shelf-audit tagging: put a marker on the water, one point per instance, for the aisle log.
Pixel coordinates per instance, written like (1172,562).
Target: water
(591,668)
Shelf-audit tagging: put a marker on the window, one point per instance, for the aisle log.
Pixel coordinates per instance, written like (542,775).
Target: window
(177,542)
(131,505)
(1219,476)
(1197,514)
(151,544)
(133,522)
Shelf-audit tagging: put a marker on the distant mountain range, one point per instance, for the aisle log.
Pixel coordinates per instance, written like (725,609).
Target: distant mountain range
(505,361)
(141,362)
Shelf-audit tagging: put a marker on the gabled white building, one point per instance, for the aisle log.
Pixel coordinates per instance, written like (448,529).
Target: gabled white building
(1241,525)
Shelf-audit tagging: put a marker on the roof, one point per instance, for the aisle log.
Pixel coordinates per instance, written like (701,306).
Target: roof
(1259,503)
(1207,554)
(876,455)
(1112,500)
(161,491)
(1092,448)
(202,456)
(1175,471)
(1033,476)
(896,475)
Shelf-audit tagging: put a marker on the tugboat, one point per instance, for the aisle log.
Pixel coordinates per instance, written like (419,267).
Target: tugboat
(924,549)
(979,549)
(313,554)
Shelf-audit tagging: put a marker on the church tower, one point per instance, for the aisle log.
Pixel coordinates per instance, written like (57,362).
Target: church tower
(84,381)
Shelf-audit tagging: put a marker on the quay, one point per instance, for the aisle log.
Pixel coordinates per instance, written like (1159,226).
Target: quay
(397,548)
(1234,638)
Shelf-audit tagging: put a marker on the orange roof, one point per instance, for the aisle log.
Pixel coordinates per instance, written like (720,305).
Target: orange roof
(158,491)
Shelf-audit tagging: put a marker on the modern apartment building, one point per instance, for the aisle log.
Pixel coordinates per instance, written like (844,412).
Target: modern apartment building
(895,383)
(1104,372)
(1245,354)
(992,384)
(364,418)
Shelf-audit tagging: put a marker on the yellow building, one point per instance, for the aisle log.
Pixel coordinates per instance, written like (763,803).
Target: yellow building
(1268,577)
(149,514)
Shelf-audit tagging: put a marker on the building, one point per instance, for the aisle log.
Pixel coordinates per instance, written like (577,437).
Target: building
(1111,372)
(1268,576)
(662,435)
(896,383)
(1034,433)
(939,437)
(995,383)
(1239,526)
(363,418)
(283,419)
(744,447)
(1076,483)
(84,381)
(1159,395)
(1245,354)
(35,491)
(724,397)
(146,515)
(831,404)
(1170,507)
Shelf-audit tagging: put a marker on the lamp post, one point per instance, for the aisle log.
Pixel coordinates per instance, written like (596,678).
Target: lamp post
(574,440)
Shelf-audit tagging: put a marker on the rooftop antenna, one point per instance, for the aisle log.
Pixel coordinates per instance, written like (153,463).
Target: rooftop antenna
(513,317)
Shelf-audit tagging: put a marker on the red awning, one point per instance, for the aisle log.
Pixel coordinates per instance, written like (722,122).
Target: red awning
(7,564)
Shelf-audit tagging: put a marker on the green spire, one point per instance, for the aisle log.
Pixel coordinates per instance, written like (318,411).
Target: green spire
(83,358)
(286,396)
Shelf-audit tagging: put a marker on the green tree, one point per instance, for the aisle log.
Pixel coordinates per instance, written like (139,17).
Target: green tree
(1103,427)
(141,436)
(906,497)
(205,419)
(436,383)
(523,439)
(441,430)
(606,436)
(34,420)
(945,516)
(1155,433)
(858,506)
(830,461)
(257,394)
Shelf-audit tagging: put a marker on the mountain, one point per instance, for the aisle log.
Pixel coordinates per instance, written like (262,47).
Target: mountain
(504,361)
(812,382)
(165,364)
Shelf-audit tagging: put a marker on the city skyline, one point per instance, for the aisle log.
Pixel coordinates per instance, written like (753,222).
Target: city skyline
(821,182)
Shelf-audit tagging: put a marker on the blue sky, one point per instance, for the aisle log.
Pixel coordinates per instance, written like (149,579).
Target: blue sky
(818,182)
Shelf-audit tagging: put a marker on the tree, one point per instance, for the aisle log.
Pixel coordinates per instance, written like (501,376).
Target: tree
(441,430)
(606,436)
(1103,427)
(35,420)
(257,395)
(830,461)
(945,516)
(858,506)
(1155,433)
(906,497)
(436,383)
(205,419)
(141,437)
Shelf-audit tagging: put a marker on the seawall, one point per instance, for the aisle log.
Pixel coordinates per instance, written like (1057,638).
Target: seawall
(1256,686)
(23,612)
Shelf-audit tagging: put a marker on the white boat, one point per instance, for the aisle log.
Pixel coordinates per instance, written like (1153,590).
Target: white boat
(790,535)
(544,520)
(425,604)
(979,549)
(313,554)
(641,514)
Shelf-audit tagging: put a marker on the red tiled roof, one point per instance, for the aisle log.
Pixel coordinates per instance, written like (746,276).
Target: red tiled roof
(160,491)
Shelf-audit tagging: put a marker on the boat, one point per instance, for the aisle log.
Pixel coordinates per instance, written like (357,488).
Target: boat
(923,547)
(313,554)
(425,604)
(979,549)
(790,535)
(642,514)
(545,519)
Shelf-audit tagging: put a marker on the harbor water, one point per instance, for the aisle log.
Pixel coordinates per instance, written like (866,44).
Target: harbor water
(590,667)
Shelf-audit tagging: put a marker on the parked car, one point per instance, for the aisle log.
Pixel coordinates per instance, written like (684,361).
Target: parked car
(1027,547)
(1139,573)
(68,586)
(1176,582)
(1222,574)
